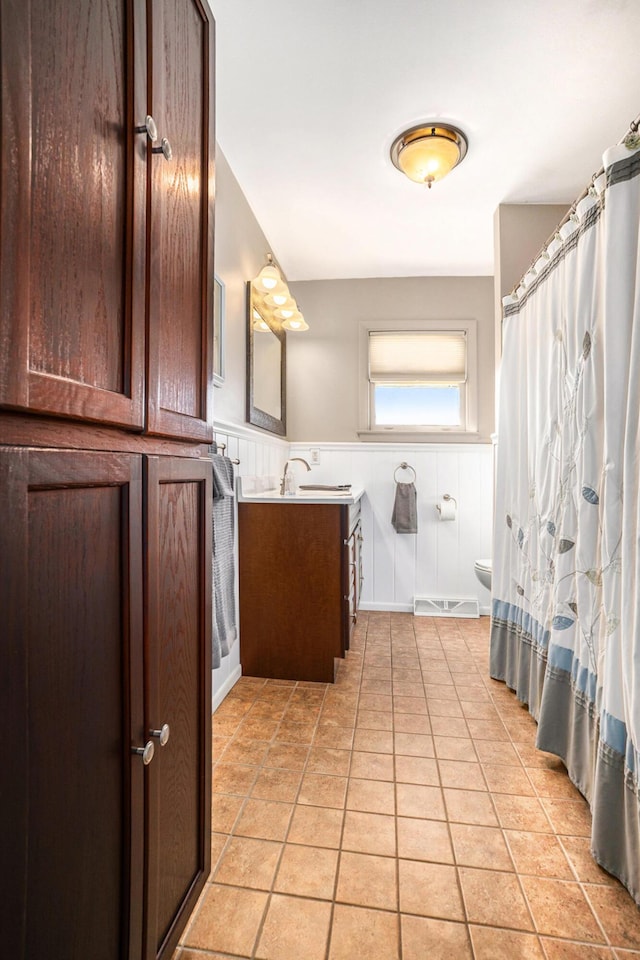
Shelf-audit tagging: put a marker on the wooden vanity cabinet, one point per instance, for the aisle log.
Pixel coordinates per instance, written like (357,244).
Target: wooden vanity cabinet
(297,591)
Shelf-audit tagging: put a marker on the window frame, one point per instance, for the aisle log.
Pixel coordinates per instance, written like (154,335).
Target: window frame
(468,392)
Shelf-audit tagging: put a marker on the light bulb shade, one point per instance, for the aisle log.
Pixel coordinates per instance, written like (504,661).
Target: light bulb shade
(287,311)
(296,323)
(428,152)
(276,299)
(268,278)
(258,323)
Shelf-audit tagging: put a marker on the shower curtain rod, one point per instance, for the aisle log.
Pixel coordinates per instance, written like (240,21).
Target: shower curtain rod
(633,129)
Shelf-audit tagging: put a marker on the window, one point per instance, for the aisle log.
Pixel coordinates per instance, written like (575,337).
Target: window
(419,380)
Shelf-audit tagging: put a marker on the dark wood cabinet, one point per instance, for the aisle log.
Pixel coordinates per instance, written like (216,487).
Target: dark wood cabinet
(72,701)
(73,214)
(103,644)
(181,225)
(297,587)
(106,273)
(178,643)
(106,250)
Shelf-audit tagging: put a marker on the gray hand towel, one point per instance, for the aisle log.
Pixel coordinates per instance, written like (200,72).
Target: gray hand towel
(224,623)
(405,512)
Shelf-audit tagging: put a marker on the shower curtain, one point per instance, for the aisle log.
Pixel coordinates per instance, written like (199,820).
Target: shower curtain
(565,632)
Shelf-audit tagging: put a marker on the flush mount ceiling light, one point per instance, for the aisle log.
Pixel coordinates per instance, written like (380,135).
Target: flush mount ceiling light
(429,151)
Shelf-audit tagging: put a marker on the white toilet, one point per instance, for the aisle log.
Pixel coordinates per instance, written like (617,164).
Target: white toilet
(483,572)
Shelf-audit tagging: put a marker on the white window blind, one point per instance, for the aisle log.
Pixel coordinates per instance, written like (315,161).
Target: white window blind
(418,357)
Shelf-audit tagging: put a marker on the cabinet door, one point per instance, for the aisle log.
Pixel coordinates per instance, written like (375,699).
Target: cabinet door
(292,589)
(72,219)
(180,304)
(178,669)
(71,793)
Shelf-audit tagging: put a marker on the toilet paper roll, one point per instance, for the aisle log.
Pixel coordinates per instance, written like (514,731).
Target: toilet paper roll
(447,510)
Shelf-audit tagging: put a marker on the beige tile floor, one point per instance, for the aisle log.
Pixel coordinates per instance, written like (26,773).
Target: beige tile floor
(400,814)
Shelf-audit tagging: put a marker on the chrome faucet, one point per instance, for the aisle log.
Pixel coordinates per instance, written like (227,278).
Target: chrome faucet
(284,475)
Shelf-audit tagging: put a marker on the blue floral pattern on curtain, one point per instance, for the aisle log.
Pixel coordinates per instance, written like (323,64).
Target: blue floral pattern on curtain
(566,609)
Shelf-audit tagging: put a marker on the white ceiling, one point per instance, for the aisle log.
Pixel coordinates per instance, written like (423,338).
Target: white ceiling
(311,94)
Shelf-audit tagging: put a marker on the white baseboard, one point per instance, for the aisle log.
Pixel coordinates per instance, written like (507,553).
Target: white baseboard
(221,692)
(393,607)
(485,611)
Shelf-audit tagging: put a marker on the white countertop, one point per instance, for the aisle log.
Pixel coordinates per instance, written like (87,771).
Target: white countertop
(302,496)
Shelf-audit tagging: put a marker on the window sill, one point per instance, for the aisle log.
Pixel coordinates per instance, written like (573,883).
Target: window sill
(422,436)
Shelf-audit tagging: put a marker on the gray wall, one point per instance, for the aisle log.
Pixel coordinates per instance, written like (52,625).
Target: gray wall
(519,231)
(322,364)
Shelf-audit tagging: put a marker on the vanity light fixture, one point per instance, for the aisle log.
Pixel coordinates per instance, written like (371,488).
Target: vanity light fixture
(429,151)
(273,301)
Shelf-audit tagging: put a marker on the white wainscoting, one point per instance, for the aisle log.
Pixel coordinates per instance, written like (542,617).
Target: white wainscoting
(437,562)
(259,455)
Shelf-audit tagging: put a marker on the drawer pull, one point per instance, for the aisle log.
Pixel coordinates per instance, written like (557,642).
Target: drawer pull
(149,127)
(164,149)
(145,752)
(162,734)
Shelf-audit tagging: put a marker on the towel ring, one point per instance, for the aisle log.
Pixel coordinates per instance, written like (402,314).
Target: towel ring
(404,466)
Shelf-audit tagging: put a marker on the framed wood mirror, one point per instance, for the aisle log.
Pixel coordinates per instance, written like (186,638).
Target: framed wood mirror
(266,368)
(218,331)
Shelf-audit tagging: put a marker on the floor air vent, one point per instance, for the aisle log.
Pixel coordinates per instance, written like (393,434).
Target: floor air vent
(445,607)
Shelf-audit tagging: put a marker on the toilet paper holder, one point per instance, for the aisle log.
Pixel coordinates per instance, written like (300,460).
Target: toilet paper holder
(447,497)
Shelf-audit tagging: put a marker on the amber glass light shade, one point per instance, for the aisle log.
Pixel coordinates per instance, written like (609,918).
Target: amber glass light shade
(429,152)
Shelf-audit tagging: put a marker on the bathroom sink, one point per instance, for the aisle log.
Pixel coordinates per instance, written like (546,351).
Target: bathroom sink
(253,489)
(298,495)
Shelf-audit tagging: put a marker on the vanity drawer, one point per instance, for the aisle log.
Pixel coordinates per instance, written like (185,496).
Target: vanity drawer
(355,511)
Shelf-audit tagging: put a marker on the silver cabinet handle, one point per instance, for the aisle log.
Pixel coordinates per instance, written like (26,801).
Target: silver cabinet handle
(149,127)
(145,752)
(164,149)
(162,734)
